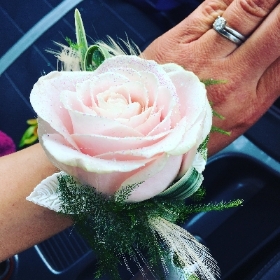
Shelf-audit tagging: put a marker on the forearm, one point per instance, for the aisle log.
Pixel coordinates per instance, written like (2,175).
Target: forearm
(22,223)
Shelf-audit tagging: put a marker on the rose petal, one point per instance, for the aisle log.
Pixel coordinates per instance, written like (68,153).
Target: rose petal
(133,109)
(163,125)
(45,101)
(65,158)
(148,79)
(157,176)
(151,83)
(129,73)
(167,100)
(44,127)
(151,123)
(88,124)
(136,120)
(167,144)
(187,161)
(133,92)
(71,101)
(84,91)
(104,82)
(111,104)
(137,64)
(172,67)
(152,115)
(107,183)
(167,103)
(191,93)
(195,134)
(207,122)
(191,137)
(96,145)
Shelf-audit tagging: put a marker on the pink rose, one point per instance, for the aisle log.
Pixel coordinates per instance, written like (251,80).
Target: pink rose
(129,121)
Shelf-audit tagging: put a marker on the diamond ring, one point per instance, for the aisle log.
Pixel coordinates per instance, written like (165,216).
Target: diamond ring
(220,26)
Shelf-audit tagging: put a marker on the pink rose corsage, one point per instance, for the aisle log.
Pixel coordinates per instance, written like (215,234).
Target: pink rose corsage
(130,138)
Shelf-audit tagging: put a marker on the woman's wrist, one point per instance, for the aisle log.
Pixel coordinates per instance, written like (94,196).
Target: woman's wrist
(20,173)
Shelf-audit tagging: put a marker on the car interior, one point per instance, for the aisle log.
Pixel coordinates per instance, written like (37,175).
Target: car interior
(245,240)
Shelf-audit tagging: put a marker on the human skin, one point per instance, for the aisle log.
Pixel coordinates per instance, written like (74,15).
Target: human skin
(252,74)
(251,71)
(23,224)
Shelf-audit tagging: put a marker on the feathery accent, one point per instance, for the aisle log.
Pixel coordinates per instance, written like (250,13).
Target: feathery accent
(116,49)
(187,250)
(70,58)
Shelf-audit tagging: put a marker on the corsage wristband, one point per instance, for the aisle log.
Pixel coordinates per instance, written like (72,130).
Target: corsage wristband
(130,138)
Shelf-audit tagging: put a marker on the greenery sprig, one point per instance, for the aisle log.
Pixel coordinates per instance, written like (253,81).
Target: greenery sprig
(117,230)
(211,82)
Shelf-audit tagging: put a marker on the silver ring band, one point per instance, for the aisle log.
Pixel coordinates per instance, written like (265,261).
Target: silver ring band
(220,26)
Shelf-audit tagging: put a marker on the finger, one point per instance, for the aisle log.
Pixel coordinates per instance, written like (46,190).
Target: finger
(192,28)
(268,89)
(243,16)
(201,20)
(261,49)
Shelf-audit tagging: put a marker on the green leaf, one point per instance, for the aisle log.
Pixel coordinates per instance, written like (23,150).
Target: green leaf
(215,128)
(122,194)
(193,277)
(80,34)
(199,195)
(220,206)
(71,44)
(94,57)
(216,114)
(220,130)
(114,230)
(29,136)
(28,141)
(202,149)
(185,187)
(211,82)
(32,122)
(121,231)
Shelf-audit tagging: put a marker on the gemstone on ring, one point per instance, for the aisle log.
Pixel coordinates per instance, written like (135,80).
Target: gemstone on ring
(220,25)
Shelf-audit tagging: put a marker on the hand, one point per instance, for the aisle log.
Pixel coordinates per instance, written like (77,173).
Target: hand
(251,70)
